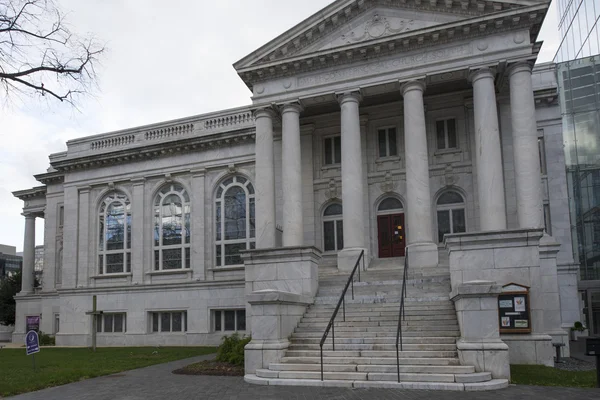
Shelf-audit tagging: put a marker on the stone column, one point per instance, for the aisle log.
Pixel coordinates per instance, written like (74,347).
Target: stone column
(352,182)
(293,234)
(423,251)
(27,280)
(490,181)
(265,180)
(524,133)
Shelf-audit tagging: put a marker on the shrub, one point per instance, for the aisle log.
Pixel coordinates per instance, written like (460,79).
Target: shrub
(578,326)
(46,340)
(231,349)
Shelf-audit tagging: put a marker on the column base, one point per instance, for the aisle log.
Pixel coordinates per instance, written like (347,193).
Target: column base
(424,255)
(259,354)
(530,349)
(491,356)
(346,259)
(274,316)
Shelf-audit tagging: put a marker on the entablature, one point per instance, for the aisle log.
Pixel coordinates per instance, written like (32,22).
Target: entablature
(34,200)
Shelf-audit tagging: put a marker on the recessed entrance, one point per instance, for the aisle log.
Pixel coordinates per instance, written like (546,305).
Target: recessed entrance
(390,228)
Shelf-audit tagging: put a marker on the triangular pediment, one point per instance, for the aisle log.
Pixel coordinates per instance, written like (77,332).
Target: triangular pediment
(377,24)
(347,22)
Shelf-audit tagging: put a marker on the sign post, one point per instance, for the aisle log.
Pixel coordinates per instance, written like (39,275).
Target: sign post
(94,313)
(32,342)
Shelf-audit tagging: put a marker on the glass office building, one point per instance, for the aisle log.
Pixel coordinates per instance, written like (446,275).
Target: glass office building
(578,69)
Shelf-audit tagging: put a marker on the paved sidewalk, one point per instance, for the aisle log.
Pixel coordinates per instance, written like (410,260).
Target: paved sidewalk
(157,382)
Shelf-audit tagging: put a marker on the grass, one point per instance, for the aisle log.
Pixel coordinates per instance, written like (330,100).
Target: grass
(539,375)
(60,366)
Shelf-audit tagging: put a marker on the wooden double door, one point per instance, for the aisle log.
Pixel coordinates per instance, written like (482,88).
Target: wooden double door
(391,235)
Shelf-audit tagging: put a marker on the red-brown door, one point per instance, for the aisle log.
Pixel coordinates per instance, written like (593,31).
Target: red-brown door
(391,235)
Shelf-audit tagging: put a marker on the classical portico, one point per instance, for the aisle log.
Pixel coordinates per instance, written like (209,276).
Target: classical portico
(356,58)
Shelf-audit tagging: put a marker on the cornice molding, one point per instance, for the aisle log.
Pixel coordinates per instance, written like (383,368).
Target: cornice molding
(27,194)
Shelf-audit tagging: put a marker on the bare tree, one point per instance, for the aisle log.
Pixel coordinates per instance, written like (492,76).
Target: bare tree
(39,54)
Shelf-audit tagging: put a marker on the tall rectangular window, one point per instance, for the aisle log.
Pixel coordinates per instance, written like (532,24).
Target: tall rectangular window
(56,327)
(446,134)
(333,150)
(547,221)
(61,216)
(387,142)
(542,153)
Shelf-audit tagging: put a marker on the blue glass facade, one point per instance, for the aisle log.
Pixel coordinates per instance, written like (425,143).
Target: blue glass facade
(578,69)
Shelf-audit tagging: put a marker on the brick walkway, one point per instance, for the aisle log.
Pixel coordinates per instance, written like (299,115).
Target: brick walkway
(157,382)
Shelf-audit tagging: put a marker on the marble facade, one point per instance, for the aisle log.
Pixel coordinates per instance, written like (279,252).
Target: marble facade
(412,65)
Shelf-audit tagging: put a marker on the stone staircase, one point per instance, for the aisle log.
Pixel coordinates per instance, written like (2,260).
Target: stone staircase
(365,350)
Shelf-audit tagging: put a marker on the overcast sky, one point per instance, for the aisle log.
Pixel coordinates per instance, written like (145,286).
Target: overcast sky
(165,60)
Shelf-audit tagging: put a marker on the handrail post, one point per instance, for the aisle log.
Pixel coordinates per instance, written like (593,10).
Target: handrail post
(333,335)
(344,308)
(352,289)
(321,362)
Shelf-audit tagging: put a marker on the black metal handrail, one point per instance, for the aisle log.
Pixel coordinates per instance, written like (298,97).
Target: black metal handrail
(341,302)
(402,313)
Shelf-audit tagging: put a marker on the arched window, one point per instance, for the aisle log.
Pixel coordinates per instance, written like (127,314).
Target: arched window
(172,232)
(234,222)
(114,244)
(450,214)
(390,204)
(333,228)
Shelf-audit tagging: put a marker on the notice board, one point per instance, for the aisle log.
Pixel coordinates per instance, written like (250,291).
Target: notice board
(513,309)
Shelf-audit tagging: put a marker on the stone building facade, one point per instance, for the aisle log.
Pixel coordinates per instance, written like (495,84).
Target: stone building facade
(374,126)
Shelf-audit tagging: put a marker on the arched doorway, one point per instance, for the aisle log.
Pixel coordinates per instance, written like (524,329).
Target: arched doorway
(390,228)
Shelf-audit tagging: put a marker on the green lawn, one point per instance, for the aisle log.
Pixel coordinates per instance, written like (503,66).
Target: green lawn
(545,376)
(60,366)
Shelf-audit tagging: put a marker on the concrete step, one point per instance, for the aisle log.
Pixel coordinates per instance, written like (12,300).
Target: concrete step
(425,369)
(424,297)
(408,325)
(370,321)
(494,384)
(409,314)
(375,376)
(371,353)
(392,327)
(377,347)
(385,307)
(382,283)
(405,334)
(371,360)
(377,340)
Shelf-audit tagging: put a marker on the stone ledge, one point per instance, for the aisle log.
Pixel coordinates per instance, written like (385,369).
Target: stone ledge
(475,289)
(270,296)
(472,345)
(493,239)
(281,254)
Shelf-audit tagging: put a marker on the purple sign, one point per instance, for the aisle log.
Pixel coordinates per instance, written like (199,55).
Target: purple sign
(32,323)
(32,342)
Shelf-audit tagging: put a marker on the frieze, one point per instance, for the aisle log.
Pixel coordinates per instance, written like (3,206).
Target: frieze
(386,66)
